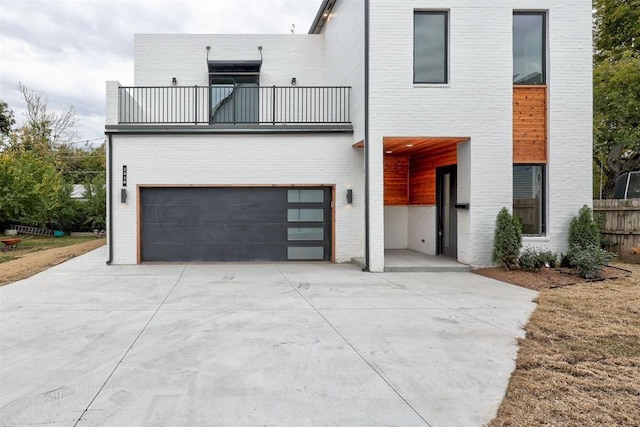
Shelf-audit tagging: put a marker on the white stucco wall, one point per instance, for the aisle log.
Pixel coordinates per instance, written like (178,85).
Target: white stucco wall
(477,103)
(239,160)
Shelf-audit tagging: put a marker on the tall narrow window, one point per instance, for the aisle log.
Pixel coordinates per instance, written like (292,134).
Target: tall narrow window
(430,51)
(529,198)
(529,48)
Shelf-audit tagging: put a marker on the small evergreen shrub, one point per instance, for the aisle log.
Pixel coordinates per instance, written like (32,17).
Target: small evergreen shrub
(589,261)
(549,258)
(507,240)
(583,230)
(565,260)
(535,259)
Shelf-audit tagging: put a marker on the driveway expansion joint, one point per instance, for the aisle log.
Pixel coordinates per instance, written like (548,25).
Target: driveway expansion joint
(88,408)
(378,371)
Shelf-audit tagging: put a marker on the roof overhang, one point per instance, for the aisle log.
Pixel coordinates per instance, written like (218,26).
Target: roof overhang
(412,145)
(235,67)
(322,16)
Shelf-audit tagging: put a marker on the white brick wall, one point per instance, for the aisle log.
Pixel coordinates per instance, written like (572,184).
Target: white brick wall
(344,56)
(159,57)
(111,110)
(477,102)
(238,160)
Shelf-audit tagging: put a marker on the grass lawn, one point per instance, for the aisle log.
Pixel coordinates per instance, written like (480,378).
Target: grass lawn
(579,364)
(38,243)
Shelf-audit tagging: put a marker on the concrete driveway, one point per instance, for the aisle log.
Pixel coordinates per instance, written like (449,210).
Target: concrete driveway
(255,344)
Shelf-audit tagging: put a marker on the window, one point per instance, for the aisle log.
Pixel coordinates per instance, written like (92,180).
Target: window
(529,49)
(529,198)
(430,53)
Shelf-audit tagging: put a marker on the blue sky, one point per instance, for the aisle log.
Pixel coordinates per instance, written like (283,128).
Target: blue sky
(67,49)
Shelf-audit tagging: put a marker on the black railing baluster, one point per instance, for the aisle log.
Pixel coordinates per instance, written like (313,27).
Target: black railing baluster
(195,112)
(271,105)
(273,111)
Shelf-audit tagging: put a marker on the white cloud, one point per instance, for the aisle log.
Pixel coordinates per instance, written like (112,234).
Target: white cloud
(67,49)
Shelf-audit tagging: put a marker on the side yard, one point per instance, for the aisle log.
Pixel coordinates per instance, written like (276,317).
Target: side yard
(579,364)
(36,254)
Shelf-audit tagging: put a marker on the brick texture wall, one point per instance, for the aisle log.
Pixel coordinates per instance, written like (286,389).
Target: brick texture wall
(239,160)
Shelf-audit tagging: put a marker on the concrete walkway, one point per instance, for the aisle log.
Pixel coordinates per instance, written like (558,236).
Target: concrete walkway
(255,344)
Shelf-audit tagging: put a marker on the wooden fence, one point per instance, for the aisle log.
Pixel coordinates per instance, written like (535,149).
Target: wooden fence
(620,227)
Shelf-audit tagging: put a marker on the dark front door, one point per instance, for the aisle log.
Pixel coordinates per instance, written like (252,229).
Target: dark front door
(226,224)
(446,184)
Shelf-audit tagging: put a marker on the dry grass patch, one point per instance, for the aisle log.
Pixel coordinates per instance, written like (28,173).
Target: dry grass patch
(38,257)
(579,364)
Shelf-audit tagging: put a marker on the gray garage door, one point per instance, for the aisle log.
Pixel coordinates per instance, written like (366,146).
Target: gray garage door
(235,224)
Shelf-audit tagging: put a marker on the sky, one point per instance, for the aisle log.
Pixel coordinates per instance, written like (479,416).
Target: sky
(67,49)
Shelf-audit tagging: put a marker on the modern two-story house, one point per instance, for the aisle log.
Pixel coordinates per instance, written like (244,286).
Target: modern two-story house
(390,125)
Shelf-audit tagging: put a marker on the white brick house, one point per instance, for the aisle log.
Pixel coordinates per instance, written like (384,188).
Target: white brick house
(429,116)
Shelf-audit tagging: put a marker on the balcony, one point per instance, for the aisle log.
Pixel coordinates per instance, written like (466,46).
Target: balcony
(227,106)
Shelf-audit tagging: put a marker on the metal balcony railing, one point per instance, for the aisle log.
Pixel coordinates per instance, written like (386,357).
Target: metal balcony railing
(234,105)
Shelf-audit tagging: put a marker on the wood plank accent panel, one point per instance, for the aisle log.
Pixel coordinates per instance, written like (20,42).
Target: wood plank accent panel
(530,124)
(422,173)
(404,145)
(396,180)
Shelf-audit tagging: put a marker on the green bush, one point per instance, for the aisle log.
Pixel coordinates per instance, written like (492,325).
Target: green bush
(583,230)
(589,261)
(507,240)
(534,259)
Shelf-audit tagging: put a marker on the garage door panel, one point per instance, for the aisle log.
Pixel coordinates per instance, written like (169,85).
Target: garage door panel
(208,252)
(190,214)
(226,224)
(216,233)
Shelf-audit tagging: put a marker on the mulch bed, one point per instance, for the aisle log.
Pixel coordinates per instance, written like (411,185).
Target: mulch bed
(547,278)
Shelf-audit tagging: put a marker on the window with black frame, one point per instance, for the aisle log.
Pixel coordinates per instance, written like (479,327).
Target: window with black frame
(430,47)
(529,48)
(529,198)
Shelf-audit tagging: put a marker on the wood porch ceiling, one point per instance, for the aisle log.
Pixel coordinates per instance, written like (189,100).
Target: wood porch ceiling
(407,146)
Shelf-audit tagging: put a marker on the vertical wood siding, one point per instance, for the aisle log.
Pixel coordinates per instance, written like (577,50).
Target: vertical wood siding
(411,180)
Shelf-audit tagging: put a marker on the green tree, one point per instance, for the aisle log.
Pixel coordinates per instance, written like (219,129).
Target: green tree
(32,191)
(616,27)
(616,121)
(95,207)
(7,119)
(616,80)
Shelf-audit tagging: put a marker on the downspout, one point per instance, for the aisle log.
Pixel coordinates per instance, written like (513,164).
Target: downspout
(366,136)
(110,199)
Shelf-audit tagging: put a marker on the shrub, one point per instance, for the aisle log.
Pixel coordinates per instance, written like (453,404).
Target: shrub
(507,240)
(534,259)
(589,261)
(583,230)
(565,260)
(549,258)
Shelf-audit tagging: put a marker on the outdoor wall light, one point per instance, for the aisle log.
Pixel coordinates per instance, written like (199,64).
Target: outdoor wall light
(174,81)
(123,195)
(349,196)
(294,81)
